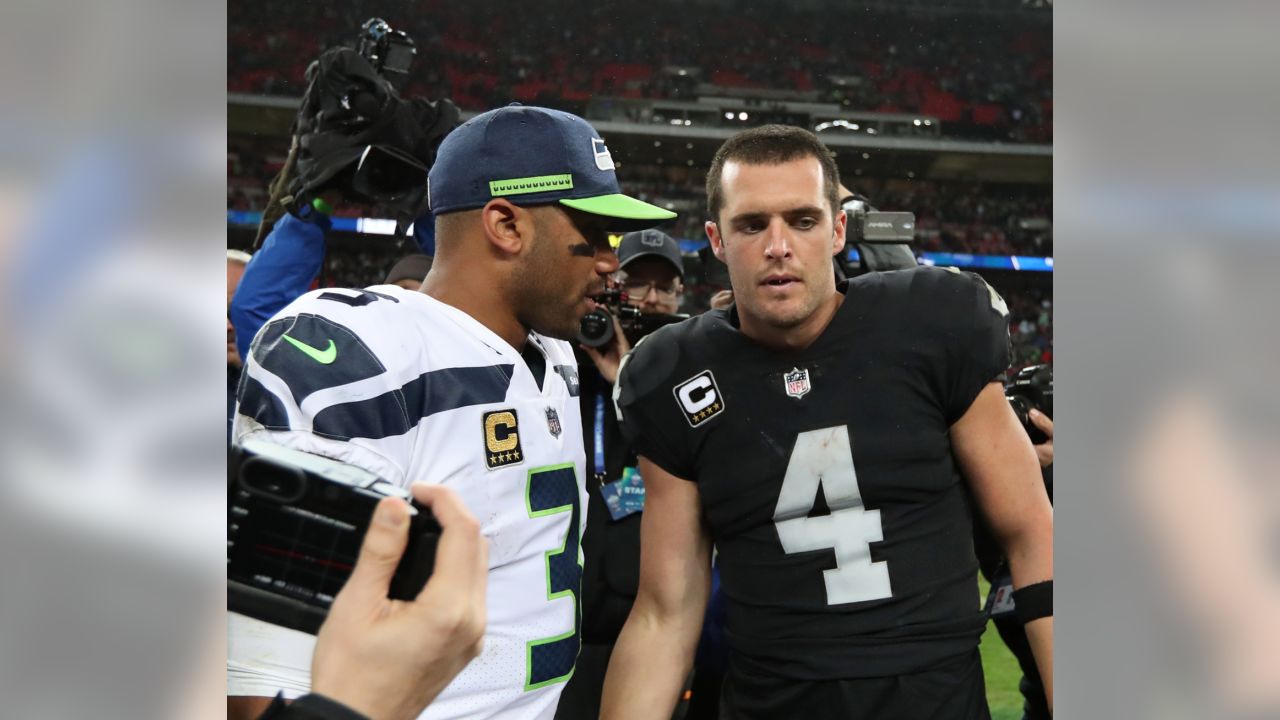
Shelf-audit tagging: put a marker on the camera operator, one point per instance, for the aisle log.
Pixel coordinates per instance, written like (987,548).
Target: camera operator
(651,273)
(354,140)
(1030,392)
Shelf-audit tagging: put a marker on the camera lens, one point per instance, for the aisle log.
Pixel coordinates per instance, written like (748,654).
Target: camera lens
(595,328)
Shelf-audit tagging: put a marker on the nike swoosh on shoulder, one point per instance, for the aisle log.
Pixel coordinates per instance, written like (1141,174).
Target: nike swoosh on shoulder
(324,357)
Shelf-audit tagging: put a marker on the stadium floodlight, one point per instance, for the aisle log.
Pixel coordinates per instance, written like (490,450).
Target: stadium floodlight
(835,124)
(742,116)
(728,116)
(916,122)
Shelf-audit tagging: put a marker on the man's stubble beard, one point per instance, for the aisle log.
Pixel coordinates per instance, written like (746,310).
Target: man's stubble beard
(538,296)
(810,303)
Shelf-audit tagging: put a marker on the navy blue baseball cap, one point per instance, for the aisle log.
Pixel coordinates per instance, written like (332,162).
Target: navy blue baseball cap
(533,156)
(649,243)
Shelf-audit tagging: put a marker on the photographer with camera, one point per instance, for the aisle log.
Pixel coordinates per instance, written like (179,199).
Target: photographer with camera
(354,139)
(650,273)
(1030,394)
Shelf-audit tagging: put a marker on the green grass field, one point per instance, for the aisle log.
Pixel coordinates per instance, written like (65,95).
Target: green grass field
(1001,670)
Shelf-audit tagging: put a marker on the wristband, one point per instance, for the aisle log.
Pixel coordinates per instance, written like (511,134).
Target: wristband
(1033,601)
(321,206)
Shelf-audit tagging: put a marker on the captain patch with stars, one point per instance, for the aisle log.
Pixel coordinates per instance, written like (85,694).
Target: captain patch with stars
(501,439)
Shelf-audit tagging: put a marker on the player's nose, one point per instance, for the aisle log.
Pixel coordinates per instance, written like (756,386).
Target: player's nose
(777,240)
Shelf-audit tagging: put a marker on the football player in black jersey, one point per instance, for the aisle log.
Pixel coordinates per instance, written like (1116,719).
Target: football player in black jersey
(816,436)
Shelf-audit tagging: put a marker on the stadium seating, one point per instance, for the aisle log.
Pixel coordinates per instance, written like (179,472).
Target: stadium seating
(984,76)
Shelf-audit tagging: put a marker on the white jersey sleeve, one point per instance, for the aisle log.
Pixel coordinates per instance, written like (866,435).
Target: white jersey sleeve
(415,390)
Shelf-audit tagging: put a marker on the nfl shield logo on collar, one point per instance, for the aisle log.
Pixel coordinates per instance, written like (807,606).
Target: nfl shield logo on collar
(553,422)
(797,382)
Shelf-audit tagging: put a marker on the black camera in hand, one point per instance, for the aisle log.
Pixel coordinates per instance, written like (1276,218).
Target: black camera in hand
(596,327)
(295,523)
(1031,388)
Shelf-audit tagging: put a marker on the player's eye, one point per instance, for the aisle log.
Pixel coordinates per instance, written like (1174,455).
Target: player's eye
(806,223)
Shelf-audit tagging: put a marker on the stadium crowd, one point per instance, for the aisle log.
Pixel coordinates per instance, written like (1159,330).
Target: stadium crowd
(983,76)
(961,217)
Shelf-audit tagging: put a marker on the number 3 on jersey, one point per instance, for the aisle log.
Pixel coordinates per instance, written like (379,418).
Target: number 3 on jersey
(824,458)
(552,490)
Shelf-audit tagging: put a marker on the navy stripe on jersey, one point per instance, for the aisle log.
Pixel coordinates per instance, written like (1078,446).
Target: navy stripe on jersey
(261,404)
(312,353)
(398,411)
(364,297)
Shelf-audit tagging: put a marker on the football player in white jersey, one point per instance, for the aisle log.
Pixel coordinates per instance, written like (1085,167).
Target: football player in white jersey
(470,384)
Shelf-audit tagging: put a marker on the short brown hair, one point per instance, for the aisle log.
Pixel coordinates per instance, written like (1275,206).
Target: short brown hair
(772,145)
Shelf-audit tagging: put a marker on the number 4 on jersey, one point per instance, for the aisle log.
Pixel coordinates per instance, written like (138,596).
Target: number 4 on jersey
(824,458)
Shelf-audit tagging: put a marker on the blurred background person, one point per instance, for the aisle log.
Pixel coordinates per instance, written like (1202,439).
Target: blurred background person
(651,271)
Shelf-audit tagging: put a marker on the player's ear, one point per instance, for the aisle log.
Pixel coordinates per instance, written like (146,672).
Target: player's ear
(838,237)
(507,227)
(717,243)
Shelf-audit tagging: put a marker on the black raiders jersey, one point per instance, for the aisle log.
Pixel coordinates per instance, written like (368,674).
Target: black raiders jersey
(826,476)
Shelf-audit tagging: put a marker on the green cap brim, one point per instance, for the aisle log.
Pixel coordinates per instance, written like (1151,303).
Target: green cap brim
(628,212)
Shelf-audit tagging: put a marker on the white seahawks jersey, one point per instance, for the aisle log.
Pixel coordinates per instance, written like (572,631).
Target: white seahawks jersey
(415,390)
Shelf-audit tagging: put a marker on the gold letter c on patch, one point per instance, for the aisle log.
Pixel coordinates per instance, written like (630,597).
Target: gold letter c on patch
(506,421)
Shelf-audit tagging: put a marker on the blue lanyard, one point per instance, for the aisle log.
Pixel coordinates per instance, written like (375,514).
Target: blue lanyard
(599,444)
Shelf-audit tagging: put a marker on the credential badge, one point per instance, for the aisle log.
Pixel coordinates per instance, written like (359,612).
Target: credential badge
(797,382)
